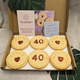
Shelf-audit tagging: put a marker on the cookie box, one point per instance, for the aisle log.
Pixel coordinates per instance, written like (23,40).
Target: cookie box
(61,8)
(48,49)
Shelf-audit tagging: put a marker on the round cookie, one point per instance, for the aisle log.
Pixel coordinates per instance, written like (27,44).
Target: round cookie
(40,22)
(20,42)
(60,59)
(57,42)
(16,59)
(49,19)
(42,15)
(39,42)
(38,59)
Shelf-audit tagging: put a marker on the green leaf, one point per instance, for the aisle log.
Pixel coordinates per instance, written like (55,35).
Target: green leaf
(28,4)
(62,75)
(75,51)
(69,75)
(37,5)
(53,75)
(11,4)
(24,5)
(4,0)
(77,58)
(38,0)
(32,4)
(78,64)
(76,74)
(17,6)
(47,71)
(43,0)
(71,46)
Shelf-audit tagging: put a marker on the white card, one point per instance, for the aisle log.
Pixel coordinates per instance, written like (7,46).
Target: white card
(51,28)
(26,22)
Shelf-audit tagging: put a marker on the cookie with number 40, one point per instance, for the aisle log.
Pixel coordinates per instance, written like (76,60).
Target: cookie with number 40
(38,59)
(39,42)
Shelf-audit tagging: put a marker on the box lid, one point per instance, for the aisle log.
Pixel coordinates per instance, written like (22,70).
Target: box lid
(61,8)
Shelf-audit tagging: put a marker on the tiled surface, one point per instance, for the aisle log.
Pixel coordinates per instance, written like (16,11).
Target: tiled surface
(73,34)
(74,3)
(5,32)
(74,25)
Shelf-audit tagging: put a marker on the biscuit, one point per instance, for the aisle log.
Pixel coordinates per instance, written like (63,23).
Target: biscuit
(38,59)
(20,42)
(40,22)
(60,59)
(49,19)
(57,42)
(42,15)
(17,59)
(39,42)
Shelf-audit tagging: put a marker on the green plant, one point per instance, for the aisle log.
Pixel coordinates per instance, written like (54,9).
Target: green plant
(4,0)
(26,4)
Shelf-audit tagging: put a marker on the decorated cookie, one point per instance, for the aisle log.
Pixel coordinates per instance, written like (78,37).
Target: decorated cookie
(49,19)
(60,59)
(40,22)
(42,15)
(57,42)
(17,59)
(39,42)
(38,59)
(20,42)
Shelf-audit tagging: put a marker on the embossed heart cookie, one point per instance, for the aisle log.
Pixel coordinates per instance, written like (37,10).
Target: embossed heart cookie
(60,59)
(57,42)
(17,59)
(20,42)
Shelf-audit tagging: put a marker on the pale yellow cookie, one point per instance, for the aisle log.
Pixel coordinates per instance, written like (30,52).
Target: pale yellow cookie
(42,15)
(39,42)
(57,42)
(38,59)
(17,59)
(49,19)
(20,42)
(40,22)
(60,59)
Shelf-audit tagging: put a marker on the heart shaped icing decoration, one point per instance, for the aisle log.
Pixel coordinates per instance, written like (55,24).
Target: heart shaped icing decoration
(20,42)
(57,42)
(17,59)
(40,22)
(60,59)
(42,16)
